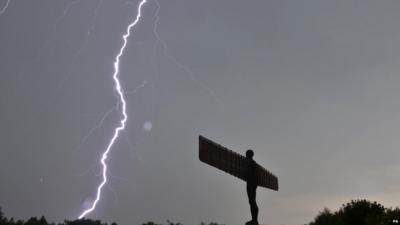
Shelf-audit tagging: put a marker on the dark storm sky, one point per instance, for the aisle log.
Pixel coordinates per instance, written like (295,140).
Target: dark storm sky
(312,86)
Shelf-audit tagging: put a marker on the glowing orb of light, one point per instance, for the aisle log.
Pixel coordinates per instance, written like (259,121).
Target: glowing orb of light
(147,126)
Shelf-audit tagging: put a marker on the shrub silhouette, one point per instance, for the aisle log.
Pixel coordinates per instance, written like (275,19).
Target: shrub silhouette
(358,212)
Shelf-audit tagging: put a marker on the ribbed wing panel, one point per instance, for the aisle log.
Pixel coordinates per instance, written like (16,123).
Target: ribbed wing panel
(233,163)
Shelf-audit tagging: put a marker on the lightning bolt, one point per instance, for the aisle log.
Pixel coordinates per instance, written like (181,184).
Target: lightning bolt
(5,7)
(120,94)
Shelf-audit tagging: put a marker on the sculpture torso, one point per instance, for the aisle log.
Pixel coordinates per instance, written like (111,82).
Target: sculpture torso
(251,174)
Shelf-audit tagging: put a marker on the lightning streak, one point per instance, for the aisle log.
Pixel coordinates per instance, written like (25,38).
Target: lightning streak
(123,106)
(166,51)
(95,128)
(5,7)
(85,42)
(100,123)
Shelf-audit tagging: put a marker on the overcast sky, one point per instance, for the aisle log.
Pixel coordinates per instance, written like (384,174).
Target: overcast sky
(311,86)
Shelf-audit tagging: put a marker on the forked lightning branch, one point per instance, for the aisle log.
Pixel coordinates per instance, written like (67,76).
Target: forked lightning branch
(124,118)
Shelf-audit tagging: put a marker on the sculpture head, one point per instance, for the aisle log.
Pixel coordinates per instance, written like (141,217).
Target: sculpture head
(249,154)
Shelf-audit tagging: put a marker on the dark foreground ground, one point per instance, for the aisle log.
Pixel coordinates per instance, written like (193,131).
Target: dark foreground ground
(356,212)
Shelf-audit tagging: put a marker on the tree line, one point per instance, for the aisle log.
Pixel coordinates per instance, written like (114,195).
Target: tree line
(356,212)
(42,221)
(359,212)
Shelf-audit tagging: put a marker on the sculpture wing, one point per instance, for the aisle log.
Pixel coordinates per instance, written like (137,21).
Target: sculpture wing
(233,163)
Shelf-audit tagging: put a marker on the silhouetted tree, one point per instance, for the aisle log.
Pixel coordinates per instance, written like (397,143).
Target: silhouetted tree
(363,212)
(84,222)
(326,218)
(171,223)
(2,219)
(358,212)
(392,216)
(35,221)
(150,223)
